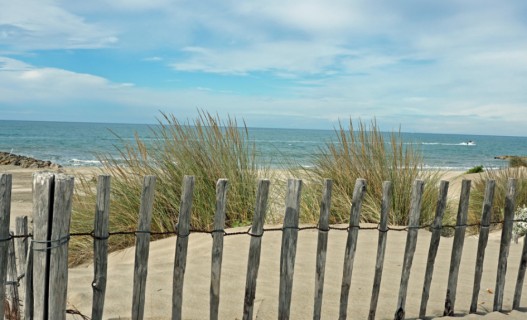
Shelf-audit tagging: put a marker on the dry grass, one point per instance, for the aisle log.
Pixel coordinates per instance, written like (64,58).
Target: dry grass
(501,177)
(207,148)
(364,153)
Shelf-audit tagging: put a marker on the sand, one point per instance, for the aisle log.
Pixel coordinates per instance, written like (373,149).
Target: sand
(197,279)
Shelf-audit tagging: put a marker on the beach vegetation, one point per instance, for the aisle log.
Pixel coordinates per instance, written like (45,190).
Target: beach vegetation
(207,148)
(501,178)
(476,169)
(364,151)
(519,229)
(515,162)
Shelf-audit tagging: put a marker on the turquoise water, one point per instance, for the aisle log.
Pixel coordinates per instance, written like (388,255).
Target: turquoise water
(75,144)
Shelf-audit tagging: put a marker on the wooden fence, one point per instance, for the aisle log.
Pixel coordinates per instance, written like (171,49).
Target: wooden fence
(43,270)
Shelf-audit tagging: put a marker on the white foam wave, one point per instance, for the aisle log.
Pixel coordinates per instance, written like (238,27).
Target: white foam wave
(79,162)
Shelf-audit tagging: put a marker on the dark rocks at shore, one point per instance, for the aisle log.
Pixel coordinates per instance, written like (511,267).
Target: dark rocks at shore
(7,158)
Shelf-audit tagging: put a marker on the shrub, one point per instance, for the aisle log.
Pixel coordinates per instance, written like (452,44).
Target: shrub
(364,153)
(517,162)
(207,148)
(476,169)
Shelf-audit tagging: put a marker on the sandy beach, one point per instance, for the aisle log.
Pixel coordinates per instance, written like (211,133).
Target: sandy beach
(197,279)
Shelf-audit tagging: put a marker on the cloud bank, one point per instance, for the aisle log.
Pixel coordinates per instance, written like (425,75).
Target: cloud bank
(450,66)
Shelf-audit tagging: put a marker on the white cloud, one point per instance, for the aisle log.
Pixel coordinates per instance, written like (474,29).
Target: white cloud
(278,57)
(43,24)
(153,59)
(8,64)
(138,5)
(413,63)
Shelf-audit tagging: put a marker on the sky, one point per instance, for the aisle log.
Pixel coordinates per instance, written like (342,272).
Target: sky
(450,66)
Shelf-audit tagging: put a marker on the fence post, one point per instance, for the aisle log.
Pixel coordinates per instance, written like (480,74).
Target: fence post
(5,212)
(12,282)
(289,242)
(521,276)
(506,235)
(100,246)
(28,289)
(58,246)
(483,240)
(180,260)
(381,246)
(351,245)
(217,247)
(411,240)
(142,247)
(21,245)
(21,252)
(434,244)
(255,246)
(43,188)
(457,248)
(322,245)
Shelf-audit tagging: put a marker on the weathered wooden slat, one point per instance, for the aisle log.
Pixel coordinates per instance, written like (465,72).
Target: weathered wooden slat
(12,280)
(434,245)
(351,245)
(180,260)
(58,247)
(21,252)
(288,251)
(483,240)
(457,248)
(43,189)
(521,276)
(5,213)
(142,247)
(100,246)
(381,246)
(21,245)
(506,235)
(217,247)
(411,240)
(322,245)
(28,289)
(255,246)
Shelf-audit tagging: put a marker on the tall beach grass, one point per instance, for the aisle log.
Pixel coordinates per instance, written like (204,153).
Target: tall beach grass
(208,148)
(501,177)
(364,152)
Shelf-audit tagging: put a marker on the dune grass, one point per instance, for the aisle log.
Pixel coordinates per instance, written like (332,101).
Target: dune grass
(501,177)
(207,148)
(363,152)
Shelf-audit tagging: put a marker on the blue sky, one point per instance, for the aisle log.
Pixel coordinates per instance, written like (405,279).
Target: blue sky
(426,66)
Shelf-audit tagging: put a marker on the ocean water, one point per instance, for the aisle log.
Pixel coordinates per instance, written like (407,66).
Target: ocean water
(76,144)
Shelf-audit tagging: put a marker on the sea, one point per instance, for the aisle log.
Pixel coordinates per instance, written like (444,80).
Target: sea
(78,143)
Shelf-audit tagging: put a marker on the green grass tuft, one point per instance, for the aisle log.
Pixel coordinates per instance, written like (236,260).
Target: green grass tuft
(476,169)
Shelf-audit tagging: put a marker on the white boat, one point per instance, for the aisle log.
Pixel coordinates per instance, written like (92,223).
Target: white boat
(468,143)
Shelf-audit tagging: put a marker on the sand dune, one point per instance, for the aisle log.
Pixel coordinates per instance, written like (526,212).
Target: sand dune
(197,280)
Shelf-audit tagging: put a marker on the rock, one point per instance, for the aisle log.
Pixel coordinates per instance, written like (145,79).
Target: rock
(7,158)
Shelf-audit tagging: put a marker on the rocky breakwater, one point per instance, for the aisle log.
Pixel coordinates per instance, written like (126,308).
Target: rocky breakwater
(7,158)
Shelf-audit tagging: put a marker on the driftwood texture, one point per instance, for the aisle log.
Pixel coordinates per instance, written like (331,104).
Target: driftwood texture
(5,213)
(255,248)
(142,247)
(411,241)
